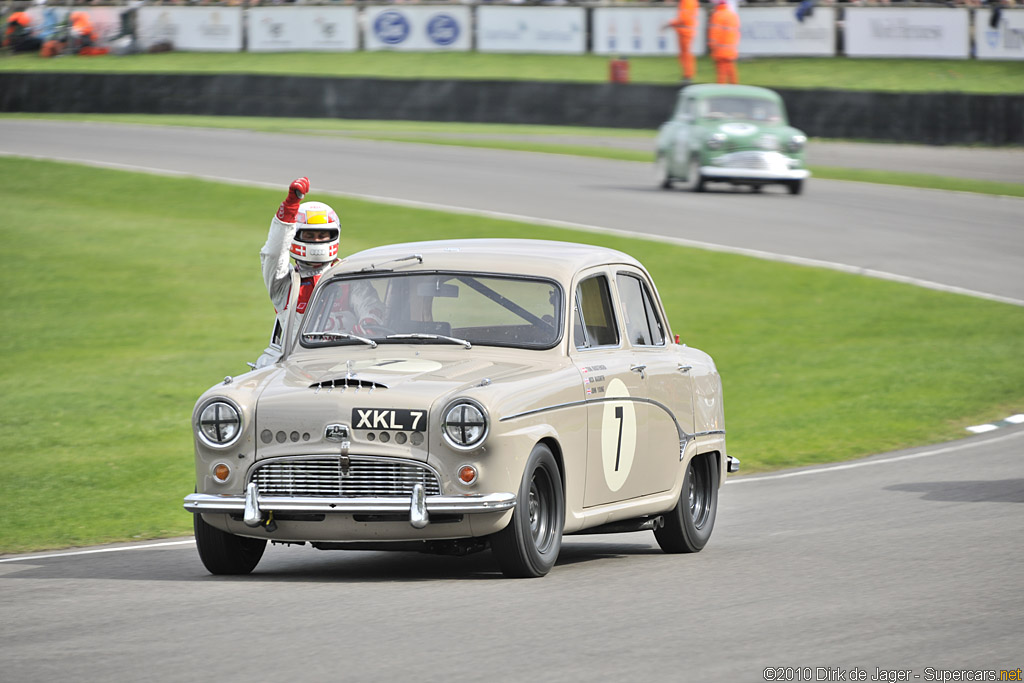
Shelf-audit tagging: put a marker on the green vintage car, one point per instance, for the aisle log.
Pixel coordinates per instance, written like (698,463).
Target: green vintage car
(733,134)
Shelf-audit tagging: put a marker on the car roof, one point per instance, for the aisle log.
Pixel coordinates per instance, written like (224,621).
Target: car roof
(720,89)
(543,258)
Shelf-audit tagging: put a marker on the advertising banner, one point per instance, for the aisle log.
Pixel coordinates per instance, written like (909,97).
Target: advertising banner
(197,29)
(940,32)
(1005,40)
(623,31)
(767,31)
(531,29)
(294,29)
(400,27)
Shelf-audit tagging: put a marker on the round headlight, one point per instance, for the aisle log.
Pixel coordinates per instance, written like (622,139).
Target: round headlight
(219,424)
(716,140)
(464,424)
(796,143)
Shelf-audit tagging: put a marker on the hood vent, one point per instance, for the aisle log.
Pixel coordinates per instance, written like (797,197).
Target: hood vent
(347,383)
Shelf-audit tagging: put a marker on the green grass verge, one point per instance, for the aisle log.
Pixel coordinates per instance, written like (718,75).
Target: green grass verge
(531,140)
(895,75)
(150,292)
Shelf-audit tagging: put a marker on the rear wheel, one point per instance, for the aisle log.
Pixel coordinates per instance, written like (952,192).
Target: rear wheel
(224,553)
(529,545)
(688,526)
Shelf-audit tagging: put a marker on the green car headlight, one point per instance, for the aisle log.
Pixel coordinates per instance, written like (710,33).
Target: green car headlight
(716,140)
(796,143)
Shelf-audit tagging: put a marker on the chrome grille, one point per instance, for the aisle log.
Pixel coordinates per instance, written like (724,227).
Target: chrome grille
(755,161)
(333,477)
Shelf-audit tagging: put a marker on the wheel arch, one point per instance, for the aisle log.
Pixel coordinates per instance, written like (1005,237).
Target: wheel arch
(556,450)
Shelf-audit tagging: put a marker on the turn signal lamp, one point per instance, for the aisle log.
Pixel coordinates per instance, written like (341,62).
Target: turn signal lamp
(221,472)
(467,474)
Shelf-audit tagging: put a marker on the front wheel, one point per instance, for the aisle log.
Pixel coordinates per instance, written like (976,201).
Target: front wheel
(688,526)
(795,186)
(661,174)
(224,553)
(529,545)
(694,181)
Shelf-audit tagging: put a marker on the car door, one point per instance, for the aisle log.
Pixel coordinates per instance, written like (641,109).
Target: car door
(616,420)
(666,384)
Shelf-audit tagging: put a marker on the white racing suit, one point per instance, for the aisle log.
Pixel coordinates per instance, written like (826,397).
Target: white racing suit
(361,310)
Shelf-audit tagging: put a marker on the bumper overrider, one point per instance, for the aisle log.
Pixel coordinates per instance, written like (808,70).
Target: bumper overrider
(254,507)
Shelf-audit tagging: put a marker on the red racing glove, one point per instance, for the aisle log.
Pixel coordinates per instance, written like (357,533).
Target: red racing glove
(296,191)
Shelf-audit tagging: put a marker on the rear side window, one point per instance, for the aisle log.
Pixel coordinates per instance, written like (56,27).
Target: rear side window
(595,318)
(643,327)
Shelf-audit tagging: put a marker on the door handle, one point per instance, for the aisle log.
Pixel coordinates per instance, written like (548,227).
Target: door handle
(684,368)
(640,369)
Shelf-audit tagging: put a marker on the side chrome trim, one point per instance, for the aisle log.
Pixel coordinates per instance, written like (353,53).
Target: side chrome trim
(684,436)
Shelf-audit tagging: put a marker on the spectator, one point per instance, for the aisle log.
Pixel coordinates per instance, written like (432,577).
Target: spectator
(83,33)
(724,41)
(685,25)
(19,36)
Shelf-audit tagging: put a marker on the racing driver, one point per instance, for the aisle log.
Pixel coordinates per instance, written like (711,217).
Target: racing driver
(309,233)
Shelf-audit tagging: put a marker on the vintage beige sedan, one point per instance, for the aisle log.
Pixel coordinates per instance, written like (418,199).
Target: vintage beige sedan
(516,391)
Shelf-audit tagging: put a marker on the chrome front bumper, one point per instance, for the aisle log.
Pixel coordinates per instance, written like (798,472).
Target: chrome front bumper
(252,505)
(754,166)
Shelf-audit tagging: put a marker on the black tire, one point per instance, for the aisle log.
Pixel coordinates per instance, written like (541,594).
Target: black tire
(528,547)
(694,181)
(224,553)
(688,526)
(796,186)
(661,174)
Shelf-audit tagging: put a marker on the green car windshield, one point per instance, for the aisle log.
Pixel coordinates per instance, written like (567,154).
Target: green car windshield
(740,108)
(436,308)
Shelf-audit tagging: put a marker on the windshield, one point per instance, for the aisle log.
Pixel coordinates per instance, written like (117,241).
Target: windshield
(437,308)
(740,108)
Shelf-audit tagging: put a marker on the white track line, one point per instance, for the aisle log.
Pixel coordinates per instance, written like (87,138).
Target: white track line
(707,246)
(95,551)
(873,461)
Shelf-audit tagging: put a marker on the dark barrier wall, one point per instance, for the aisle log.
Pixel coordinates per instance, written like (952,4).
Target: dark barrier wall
(945,118)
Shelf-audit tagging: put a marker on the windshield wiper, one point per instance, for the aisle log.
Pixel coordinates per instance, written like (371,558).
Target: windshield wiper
(376,267)
(420,335)
(340,335)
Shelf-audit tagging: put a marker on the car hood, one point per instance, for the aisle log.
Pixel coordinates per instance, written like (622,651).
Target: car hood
(304,397)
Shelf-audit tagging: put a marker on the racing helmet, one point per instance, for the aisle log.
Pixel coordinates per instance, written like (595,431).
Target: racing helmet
(316,216)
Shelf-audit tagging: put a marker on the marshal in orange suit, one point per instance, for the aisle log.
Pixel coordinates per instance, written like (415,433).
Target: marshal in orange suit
(685,25)
(724,41)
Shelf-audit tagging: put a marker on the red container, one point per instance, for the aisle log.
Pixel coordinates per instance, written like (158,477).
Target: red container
(618,71)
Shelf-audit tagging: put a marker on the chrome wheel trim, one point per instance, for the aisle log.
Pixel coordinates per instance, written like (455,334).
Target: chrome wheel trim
(699,495)
(540,507)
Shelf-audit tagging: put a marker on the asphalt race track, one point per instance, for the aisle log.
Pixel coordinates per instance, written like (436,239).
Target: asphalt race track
(955,239)
(906,561)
